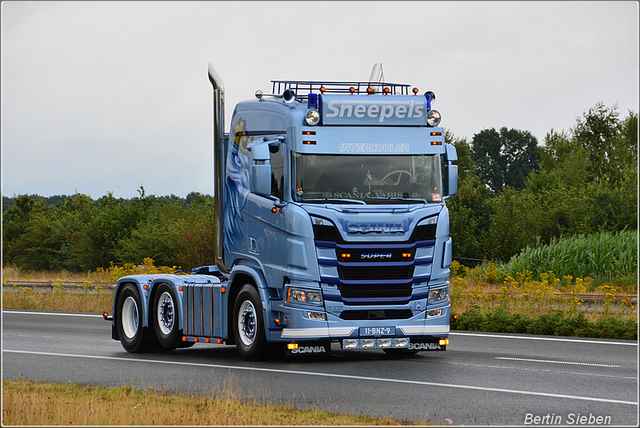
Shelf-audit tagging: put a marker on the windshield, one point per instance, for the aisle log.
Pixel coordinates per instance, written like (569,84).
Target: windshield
(367,178)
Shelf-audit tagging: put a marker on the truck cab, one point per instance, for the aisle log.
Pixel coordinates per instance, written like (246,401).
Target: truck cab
(334,212)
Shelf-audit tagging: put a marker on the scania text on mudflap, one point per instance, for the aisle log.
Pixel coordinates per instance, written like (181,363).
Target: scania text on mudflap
(330,227)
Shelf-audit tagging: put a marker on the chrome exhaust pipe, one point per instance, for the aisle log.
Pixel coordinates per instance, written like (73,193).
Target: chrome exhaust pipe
(218,166)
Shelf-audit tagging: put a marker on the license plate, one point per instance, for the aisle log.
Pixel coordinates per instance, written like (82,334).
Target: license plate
(377,331)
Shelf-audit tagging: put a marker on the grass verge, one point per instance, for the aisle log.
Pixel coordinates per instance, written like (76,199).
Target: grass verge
(44,403)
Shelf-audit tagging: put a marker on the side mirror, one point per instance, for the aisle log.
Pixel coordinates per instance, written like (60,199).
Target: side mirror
(450,179)
(450,171)
(260,169)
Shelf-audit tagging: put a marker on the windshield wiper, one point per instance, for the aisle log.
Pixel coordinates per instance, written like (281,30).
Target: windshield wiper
(420,200)
(332,200)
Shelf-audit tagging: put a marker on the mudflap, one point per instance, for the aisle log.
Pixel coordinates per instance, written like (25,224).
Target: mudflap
(307,348)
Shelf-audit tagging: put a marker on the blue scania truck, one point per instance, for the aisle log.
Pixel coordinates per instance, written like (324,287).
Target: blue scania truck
(331,228)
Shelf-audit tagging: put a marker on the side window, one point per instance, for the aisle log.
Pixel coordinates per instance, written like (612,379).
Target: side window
(277,172)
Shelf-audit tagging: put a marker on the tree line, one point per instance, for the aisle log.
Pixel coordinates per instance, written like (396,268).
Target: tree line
(80,234)
(512,193)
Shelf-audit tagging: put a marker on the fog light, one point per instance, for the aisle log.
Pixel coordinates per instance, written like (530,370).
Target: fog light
(317,316)
(367,343)
(443,342)
(291,346)
(350,344)
(384,343)
(435,313)
(401,343)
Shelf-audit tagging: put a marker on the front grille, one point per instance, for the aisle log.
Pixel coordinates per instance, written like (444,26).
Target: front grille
(326,233)
(330,233)
(375,255)
(393,314)
(357,291)
(375,273)
(424,233)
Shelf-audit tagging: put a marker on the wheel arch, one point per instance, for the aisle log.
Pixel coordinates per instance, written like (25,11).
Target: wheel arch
(174,284)
(241,275)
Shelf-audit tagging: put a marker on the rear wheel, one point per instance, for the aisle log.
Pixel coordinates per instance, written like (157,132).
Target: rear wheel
(129,320)
(165,317)
(248,325)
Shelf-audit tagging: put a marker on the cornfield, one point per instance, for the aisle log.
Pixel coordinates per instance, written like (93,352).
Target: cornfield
(603,254)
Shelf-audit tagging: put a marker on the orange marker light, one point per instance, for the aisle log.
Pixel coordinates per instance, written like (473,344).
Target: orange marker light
(345,255)
(386,90)
(408,255)
(276,320)
(180,288)
(219,341)
(144,287)
(369,90)
(195,339)
(274,210)
(106,314)
(207,340)
(223,290)
(352,89)
(184,338)
(322,89)
(415,90)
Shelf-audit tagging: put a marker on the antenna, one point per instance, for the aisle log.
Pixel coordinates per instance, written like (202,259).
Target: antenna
(377,75)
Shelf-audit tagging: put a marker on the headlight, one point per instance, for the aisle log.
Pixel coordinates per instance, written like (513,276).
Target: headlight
(312,117)
(438,294)
(433,118)
(298,295)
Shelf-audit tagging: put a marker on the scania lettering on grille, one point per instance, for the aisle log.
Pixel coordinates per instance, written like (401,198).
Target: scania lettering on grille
(369,256)
(353,228)
(424,346)
(309,350)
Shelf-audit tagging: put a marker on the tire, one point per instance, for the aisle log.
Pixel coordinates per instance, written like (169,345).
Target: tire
(166,317)
(129,320)
(248,325)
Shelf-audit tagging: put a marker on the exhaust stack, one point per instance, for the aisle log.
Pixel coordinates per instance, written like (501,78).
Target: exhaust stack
(218,165)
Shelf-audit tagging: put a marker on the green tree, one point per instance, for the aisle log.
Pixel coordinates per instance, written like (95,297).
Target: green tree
(609,144)
(505,158)
(470,213)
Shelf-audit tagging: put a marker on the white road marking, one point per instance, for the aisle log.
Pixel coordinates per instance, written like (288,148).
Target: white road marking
(556,339)
(330,375)
(538,370)
(532,360)
(60,314)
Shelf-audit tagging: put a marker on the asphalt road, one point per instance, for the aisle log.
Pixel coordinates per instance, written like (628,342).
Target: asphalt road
(482,379)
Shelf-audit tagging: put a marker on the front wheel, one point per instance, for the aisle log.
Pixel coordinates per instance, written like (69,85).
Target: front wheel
(248,325)
(129,320)
(166,317)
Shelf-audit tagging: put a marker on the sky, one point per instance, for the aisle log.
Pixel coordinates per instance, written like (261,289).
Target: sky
(101,97)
